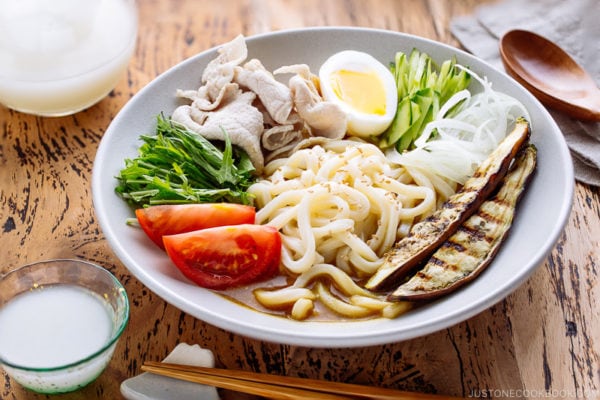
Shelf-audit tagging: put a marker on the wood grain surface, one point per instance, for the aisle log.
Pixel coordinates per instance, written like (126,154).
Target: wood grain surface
(541,341)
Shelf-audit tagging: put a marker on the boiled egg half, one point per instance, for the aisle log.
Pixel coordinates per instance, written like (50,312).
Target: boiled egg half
(364,89)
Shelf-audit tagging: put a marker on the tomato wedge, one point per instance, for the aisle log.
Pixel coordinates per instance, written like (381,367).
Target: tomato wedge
(226,256)
(162,220)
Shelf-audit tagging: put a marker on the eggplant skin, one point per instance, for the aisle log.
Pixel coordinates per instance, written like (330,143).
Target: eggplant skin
(465,254)
(426,236)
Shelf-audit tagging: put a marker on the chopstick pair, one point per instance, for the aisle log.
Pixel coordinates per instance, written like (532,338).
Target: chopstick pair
(280,387)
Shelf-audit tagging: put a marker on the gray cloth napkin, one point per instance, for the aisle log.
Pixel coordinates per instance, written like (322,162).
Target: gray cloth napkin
(575,26)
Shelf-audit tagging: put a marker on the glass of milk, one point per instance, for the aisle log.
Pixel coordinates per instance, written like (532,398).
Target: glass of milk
(60,321)
(58,57)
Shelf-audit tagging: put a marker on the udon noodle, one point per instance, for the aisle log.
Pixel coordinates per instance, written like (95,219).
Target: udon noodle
(340,206)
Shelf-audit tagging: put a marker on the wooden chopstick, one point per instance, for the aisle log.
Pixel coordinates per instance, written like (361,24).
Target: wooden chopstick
(271,391)
(281,387)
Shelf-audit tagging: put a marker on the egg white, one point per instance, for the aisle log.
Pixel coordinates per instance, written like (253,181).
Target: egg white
(360,124)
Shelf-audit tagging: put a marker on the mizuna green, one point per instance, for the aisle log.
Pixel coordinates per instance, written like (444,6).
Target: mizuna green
(178,166)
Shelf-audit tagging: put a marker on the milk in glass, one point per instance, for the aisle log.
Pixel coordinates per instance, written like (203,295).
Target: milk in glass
(54,326)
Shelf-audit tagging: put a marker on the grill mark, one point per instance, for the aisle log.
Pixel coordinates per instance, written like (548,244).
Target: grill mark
(454,245)
(474,233)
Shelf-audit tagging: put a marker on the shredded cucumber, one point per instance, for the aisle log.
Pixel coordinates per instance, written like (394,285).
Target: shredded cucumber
(422,90)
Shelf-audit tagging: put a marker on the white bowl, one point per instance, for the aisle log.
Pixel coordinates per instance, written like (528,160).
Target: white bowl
(540,219)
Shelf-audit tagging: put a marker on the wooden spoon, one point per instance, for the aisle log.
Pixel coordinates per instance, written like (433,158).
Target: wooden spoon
(550,74)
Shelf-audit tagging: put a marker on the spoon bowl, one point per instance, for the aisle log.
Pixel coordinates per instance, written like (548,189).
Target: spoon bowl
(550,74)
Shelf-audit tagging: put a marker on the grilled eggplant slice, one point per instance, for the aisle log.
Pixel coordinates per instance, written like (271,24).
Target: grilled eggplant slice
(427,235)
(469,251)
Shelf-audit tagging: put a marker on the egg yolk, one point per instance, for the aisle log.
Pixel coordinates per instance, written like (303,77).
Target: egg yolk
(363,91)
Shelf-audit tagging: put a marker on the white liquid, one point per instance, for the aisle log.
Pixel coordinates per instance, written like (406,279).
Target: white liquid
(53,326)
(61,56)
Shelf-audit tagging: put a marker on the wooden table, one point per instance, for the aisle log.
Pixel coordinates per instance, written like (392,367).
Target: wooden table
(543,340)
